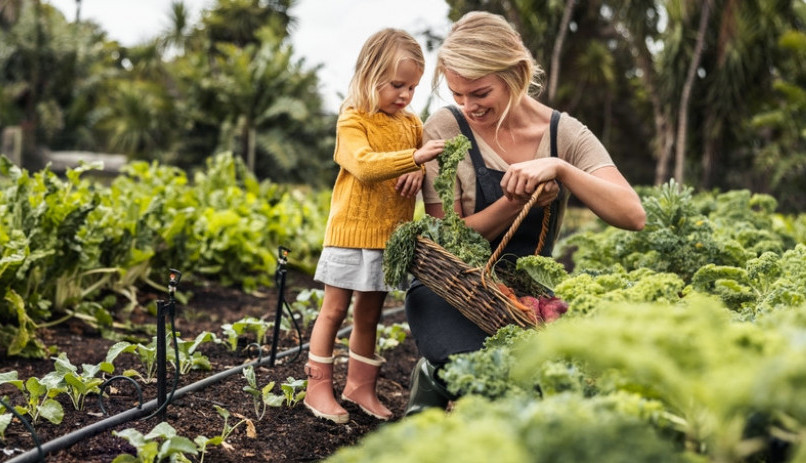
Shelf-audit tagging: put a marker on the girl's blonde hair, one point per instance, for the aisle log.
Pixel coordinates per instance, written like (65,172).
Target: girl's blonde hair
(377,64)
(480,44)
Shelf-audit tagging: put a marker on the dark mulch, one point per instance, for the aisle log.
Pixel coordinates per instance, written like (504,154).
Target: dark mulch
(283,434)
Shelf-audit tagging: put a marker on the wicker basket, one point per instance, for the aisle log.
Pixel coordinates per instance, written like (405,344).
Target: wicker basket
(470,289)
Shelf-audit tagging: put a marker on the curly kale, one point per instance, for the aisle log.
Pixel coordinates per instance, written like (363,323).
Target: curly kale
(451,232)
(399,253)
(456,149)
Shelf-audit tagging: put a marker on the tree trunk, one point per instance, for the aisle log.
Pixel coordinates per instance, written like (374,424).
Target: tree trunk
(663,135)
(682,118)
(665,145)
(558,47)
(31,156)
(251,134)
(607,118)
(710,155)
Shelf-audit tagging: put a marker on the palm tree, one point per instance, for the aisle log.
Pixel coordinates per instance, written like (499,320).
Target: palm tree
(237,21)
(638,24)
(138,118)
(738,76)
(252,82)
(176,36)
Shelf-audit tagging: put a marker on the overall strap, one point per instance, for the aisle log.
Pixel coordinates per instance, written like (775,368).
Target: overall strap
(555,205)
(555,120)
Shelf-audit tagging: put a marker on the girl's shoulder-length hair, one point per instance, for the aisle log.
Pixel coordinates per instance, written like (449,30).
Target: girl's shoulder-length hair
(376,64)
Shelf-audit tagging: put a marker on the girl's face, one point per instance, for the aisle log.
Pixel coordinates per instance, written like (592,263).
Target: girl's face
(396,94)
(482,100)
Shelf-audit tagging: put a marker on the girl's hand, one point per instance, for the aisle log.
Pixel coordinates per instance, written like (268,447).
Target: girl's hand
(408,185)
(429,151)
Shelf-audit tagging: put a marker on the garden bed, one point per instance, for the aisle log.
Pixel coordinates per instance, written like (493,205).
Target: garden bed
(283,434)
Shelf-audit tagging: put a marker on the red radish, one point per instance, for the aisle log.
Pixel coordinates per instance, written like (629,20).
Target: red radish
(552,308)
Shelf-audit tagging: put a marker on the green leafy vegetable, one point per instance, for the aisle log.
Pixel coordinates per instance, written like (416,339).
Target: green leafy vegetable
(544,270)
(456,149)
(451,232)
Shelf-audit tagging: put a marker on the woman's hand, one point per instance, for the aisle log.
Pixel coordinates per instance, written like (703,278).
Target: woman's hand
(521,180)
(409,184)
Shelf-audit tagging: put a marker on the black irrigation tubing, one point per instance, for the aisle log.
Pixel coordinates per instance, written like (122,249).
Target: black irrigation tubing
(68,440)
(29,427)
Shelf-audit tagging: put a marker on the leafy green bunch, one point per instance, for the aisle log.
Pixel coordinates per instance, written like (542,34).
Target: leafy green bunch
(456,149)
(450,232)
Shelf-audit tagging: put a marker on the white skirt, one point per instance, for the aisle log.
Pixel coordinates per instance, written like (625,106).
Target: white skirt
(352,268)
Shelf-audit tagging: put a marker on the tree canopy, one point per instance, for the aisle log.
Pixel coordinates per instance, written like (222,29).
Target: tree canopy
(708,92)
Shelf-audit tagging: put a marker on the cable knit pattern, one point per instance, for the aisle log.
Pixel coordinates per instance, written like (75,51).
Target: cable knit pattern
(372,150)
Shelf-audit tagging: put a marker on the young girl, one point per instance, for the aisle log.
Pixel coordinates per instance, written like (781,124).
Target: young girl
(380,173)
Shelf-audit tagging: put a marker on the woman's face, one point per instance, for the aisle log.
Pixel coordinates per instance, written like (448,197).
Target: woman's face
(482,100)
(396,94)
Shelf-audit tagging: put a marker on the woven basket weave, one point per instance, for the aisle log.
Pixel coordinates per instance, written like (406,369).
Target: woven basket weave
(470,289)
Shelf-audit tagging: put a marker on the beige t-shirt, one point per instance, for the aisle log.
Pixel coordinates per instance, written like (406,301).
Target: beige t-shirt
(575,144)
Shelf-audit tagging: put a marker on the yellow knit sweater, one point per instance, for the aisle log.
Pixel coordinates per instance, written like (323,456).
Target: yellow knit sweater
(372,150)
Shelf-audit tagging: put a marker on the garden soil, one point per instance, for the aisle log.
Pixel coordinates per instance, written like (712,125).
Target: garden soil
(284,434)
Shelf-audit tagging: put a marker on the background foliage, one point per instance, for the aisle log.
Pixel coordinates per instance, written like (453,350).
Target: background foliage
(230,83)
(75,247)
(710,93)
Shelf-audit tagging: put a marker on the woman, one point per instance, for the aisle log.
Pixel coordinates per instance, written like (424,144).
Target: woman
(518,143)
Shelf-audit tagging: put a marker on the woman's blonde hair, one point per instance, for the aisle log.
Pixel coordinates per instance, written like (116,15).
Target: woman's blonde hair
(480,44)
(377,64)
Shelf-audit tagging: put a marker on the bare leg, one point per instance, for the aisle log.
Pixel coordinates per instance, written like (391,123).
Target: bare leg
(331,316)
(366,315)
(319,398)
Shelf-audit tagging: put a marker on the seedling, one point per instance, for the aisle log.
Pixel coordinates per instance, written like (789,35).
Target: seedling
(202,442)
(189,357)
(5,419)
(147,353)
(391,336)
(233,331)
(40,398)
(227,429)
(290,387)
(79,385)
(305,308)
(150,450)
(261,397)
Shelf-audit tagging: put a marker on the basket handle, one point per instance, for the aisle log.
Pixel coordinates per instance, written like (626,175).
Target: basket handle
(514,227)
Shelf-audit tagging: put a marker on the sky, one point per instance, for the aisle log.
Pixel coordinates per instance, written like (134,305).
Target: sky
(328,32)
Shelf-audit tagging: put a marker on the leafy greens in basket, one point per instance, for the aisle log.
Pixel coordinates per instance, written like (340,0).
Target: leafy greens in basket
(450,232)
